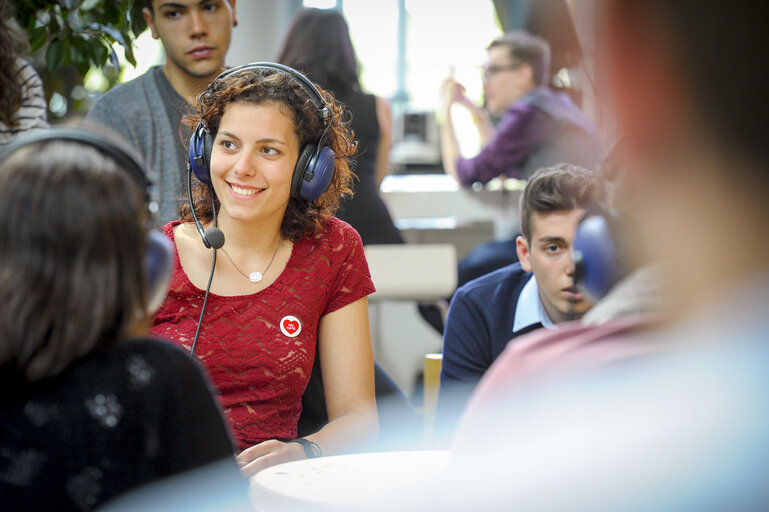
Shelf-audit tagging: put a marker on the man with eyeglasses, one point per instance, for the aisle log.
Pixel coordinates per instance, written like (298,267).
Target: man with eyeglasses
(538,127)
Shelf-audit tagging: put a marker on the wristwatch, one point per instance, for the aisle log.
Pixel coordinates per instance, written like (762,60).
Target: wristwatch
(311,449)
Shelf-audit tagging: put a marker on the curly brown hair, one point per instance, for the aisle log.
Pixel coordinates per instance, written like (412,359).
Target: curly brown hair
(267,85)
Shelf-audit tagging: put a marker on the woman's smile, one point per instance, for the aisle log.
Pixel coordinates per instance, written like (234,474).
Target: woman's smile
(244,191)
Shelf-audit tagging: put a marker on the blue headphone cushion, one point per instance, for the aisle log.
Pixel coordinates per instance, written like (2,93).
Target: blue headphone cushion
(200,154)
(158,262)
(596,255)
(322,168)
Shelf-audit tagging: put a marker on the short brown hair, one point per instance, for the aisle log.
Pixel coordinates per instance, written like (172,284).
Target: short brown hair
(558,188)
(265,85)
(528,48)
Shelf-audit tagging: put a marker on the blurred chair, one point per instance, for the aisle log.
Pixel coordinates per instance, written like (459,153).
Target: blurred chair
(405,275)
(412,271)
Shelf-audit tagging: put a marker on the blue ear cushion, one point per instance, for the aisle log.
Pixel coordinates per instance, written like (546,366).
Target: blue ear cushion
(596,255)
(158,262)
(308,151)
(322,170)
(200,154)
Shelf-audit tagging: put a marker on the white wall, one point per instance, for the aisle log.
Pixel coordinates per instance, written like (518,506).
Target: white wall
(262,26)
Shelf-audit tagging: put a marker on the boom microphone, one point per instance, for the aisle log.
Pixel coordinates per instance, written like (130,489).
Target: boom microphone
(215,237)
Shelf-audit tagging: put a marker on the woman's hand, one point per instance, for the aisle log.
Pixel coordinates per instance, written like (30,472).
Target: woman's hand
(268,453)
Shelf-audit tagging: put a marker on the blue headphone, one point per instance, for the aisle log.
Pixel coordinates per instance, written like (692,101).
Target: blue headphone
(602,247)
(317,161)
(158,258)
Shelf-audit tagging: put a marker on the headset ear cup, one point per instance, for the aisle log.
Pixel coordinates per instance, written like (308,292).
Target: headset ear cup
(308,151)
(208,146)
(598,264)
(158,265)
(200,154)
(321,171)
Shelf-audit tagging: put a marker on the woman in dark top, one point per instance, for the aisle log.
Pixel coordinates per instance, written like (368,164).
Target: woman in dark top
(91,407)
(318,44)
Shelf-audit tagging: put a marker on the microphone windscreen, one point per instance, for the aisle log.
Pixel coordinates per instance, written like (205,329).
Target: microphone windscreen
(215,237)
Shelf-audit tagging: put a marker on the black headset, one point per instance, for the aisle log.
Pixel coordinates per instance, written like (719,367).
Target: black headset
(158,258)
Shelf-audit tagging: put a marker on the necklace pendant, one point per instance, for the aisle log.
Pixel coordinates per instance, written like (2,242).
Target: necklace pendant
(255,277)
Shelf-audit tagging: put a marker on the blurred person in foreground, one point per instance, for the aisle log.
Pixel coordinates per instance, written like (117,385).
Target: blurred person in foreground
(681,424)
(93,407)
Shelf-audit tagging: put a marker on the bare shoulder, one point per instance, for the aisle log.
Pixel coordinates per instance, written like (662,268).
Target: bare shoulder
(383,111)
(186,237)
(193,255)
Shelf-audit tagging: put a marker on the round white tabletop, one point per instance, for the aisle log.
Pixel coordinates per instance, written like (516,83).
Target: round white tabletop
(354,481)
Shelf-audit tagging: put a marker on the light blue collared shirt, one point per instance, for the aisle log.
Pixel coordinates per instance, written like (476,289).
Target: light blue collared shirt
(530,309)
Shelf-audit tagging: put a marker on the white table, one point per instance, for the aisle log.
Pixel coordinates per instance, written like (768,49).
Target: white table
(343,482)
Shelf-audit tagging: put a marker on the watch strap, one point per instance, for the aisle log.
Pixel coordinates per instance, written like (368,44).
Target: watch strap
(311,449)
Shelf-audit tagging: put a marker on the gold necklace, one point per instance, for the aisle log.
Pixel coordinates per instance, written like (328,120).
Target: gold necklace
(255,277)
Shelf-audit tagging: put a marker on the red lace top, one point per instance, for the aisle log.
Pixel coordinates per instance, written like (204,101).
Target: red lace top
(259,349)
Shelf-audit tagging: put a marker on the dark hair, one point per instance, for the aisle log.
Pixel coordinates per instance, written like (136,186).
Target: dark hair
(148,5)
(73,229)
(318,44)
(558,188)
(705,37)
(264,85)
(528,48)
(12,45)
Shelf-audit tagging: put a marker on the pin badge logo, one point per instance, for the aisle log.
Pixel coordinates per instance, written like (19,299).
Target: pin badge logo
(290,326)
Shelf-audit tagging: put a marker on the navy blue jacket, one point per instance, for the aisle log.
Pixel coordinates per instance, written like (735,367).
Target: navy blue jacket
(478,327)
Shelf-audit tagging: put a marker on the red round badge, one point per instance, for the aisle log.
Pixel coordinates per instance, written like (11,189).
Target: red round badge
(290,326)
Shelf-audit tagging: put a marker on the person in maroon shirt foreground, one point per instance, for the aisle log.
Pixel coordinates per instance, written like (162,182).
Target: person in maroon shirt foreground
(293,278)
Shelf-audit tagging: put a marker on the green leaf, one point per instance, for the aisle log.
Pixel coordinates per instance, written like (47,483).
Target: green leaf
(113,56)
(37,38)
(80,52)
(54,55)
(138,25)
(98,51)
(113,33)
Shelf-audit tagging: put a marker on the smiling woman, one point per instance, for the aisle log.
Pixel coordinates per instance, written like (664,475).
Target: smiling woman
(270,152)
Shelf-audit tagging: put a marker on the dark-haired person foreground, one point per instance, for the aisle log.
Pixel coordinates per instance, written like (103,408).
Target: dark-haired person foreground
(289,279)
(318,44)
(490,311)
(92,407)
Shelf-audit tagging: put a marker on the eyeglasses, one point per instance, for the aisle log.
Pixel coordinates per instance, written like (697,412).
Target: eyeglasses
(490,71)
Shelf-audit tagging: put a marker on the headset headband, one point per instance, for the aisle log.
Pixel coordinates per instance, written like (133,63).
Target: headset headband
(92,139)
(324,112)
